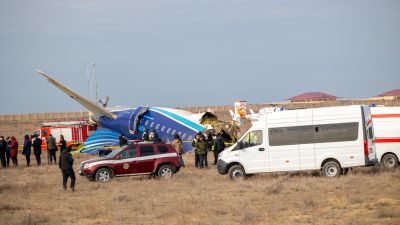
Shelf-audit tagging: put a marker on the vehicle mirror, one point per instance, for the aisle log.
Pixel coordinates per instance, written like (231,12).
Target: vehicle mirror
(240,145)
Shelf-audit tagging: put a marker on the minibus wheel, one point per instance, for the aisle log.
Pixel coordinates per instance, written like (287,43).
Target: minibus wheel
(236,172)
(390,161)
(331,169)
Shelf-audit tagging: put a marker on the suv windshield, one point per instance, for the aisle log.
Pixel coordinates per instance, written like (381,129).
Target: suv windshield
(115,152)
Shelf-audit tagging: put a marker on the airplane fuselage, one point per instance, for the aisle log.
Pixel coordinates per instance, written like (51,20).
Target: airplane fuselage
(162,120)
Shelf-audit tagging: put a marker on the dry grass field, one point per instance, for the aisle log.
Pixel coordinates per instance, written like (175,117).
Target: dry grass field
(365,196)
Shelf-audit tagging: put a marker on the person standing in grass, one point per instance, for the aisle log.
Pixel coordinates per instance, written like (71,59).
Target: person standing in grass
(37,148)
(63,143)
(14,151)
(27,149)
(201,151)
(8,152)
(219,146)
(3,148)
(177,144)
(51,149)
(66,163)
(196,156)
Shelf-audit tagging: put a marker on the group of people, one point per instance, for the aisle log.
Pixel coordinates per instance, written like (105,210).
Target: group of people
(9,152)
(9,149)
(203,144)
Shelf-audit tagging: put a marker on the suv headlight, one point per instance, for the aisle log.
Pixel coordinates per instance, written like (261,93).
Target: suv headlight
(86,166)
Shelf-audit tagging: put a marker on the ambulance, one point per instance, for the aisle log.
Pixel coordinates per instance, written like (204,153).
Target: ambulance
(386,122)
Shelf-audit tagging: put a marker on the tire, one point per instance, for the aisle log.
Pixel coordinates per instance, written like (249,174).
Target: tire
(390,161)
(103,175)
(331,169)
(165,171)
(236,173)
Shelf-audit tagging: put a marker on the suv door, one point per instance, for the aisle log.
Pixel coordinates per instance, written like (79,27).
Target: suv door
(253,154)
(126,163)
(146,159)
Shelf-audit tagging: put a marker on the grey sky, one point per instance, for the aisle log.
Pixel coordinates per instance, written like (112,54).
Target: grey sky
(208,52)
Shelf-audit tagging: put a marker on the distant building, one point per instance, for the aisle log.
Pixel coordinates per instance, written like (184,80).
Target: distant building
(313,97)
(389,95)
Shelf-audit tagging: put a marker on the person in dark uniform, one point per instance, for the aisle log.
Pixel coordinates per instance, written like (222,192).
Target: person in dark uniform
(219,146)
(63,143)
(122,141)
(37,148)
(51,149)
(145,136)
(65,163)
(27,149)
(8,151)
(154,136)
(3,148)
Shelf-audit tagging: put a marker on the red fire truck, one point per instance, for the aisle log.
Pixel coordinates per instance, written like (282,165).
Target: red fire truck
(75,132)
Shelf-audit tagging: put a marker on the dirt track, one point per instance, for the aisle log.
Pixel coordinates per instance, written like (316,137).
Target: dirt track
(365,196)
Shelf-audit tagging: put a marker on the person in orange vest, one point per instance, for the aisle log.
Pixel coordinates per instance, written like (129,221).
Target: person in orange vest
(14,150)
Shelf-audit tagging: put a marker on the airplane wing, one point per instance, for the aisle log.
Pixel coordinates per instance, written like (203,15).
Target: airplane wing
(92,107)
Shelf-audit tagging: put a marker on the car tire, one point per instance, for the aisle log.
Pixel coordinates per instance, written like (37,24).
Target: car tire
(236,173)
(103,175)
(390,161)
(165,171)
(331,169)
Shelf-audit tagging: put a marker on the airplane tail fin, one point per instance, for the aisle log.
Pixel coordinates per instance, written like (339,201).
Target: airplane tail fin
(97,110)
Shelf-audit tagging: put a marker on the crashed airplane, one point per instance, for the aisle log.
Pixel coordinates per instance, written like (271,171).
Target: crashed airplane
(131,122)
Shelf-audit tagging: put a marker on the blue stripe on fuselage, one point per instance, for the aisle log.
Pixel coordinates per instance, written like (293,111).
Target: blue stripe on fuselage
(180,119)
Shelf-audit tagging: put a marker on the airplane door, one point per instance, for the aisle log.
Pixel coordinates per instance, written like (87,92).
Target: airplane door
(145,161)
(253,154)
(126,163)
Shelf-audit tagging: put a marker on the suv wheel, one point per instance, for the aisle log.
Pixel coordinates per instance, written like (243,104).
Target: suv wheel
(331,169)
(165,171)
(103,175)
(236,172)
(390,161)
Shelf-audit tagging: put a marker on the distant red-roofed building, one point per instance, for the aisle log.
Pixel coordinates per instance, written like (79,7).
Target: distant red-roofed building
(390,95)
(313,97)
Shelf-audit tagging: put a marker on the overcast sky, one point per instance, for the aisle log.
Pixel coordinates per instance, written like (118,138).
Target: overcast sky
(209,52)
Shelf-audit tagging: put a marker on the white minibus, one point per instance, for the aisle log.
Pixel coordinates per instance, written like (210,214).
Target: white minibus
(331,139)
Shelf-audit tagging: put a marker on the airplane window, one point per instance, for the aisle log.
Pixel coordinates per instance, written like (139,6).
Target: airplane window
(184,135)
(169,129)
(162,128)
(158,126)
(190,138)
(173,132)
(152,123)
(147,122)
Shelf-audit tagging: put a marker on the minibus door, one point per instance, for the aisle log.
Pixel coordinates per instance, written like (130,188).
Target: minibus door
(253,154)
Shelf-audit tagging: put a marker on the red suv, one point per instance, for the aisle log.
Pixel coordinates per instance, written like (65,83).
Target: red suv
(144,158)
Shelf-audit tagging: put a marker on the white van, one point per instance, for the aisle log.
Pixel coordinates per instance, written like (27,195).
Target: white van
(332,139)
(387,132)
